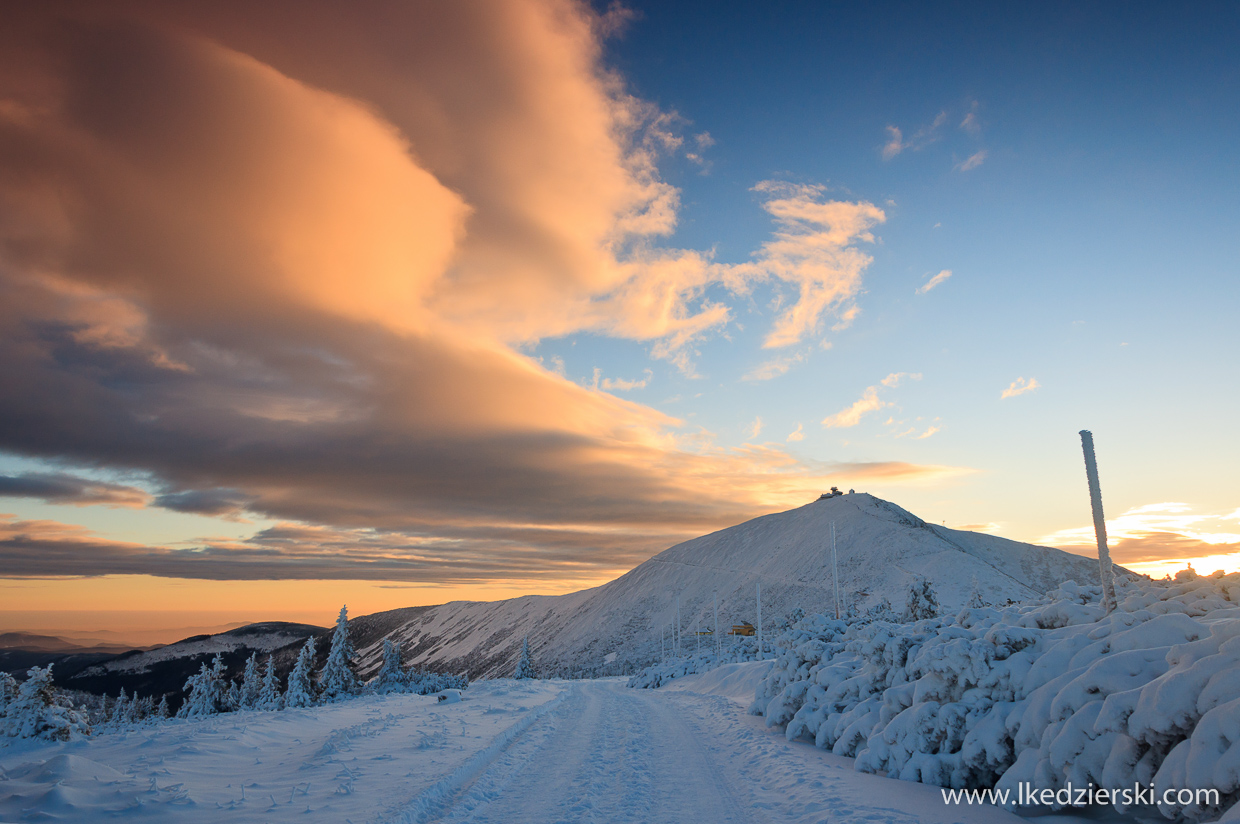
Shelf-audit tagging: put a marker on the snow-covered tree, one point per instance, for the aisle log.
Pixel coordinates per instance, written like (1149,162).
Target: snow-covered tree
(207,691)
(251,684)
(8,691)
(392,676)
(337,678)
(975,596)
(121,711)
(162,711)
(525,667)
(922,602)
(300,691)
(269,697)
(39,711)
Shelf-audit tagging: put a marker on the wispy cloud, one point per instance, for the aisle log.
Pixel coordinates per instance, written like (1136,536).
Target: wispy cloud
(754,429)
(1019,387)
(621,384)
(797,434)
(919,140)
(971,123)
(775,367)
(934,281)
(929,431)
(868,402)
(971,162)
(895,378)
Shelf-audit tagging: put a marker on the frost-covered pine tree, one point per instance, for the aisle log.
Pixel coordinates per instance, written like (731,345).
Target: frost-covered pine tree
(251,684)
(121,713)
(391,677)
(922,602)
(300,691)
(202,688)
(162,712)
(525,667)
(337,679)
(38,711)
(269,697)
(882,611)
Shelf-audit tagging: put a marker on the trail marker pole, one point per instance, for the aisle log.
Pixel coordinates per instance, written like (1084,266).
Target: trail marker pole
(761,654)
(717,650)
(1100,523)
(677,625)
(835,572)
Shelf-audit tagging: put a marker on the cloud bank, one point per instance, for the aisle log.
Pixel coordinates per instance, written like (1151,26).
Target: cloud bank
(281,259)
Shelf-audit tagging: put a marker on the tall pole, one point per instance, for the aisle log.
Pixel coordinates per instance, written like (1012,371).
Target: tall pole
(678,625)
(716,633)
(662,651)
(1100,523)
(760,655)
(835,573)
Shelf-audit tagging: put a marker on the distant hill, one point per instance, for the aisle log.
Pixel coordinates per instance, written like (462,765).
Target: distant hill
(616,627)
(163,670)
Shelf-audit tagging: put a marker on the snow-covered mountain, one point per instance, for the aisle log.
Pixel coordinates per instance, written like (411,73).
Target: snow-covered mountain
(616,627)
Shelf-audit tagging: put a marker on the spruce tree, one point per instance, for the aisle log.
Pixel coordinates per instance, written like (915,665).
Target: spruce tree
(300,691)
(337,679)
(251,684)
(162,711)
(975,596)
(120,710)
(269,696)
(38,710)
(391,677)
(525,667)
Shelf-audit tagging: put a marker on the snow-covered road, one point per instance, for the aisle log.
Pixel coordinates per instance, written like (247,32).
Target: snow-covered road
(610,754)
(512,752)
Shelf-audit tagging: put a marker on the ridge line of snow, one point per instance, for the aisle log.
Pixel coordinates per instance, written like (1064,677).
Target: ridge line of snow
(431,802)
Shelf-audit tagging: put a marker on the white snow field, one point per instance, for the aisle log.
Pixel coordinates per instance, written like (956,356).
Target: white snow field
(512,752)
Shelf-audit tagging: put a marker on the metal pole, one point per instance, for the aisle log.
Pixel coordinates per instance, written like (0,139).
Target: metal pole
(760,654)
(662,651)
(1100,523)
(835,572)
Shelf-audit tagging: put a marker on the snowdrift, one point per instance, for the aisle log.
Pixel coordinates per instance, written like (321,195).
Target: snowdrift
(1046,693)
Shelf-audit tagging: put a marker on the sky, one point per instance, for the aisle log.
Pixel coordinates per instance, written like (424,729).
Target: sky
(390,304)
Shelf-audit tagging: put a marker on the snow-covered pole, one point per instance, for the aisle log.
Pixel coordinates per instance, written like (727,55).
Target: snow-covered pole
(761,656)
(677,625)
(835,573)
(1100,523)
(718,652)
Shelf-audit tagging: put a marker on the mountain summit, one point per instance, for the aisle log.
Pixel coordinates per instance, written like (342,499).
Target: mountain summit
(882,550)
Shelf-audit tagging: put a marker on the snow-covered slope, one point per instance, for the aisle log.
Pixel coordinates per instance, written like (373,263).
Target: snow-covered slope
(616,627)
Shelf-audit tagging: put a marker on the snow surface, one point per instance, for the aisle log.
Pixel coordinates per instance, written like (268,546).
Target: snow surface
(615,628)
(1050,693)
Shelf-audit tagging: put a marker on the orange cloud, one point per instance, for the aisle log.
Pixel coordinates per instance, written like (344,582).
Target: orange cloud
(279,258)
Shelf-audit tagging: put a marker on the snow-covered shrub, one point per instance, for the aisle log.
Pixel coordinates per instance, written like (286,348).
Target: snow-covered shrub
(425,682)
(269,697)
(38,710)
(741,648)
(1049,692)
(337,679)
(525,667)
(8,691)
(300,691)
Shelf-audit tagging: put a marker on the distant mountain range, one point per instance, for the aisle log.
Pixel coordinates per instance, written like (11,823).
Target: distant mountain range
(882,549)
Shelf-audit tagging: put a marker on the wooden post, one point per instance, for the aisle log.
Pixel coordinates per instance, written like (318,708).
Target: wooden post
(835,573)
(1100,523)
(761,654)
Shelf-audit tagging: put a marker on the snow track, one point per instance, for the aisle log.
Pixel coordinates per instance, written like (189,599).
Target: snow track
(604,754)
